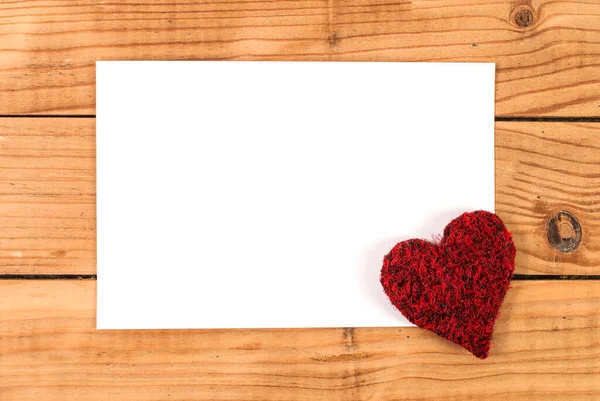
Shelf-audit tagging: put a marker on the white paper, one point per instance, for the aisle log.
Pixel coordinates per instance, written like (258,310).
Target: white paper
(265,194)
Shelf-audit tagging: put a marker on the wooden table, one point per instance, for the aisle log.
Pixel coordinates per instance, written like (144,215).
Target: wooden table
(547,340)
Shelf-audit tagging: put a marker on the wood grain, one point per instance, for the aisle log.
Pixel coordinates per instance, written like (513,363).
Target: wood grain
(47,196)
(543,168)
(47,193)
(545,348)
(547,51)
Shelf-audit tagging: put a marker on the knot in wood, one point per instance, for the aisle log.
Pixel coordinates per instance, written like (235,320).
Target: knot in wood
(564,232)
(523,18)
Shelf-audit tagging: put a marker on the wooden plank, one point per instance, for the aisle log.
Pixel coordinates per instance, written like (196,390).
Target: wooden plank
(541,169)
(47,193)
(47,196)
(547,51)
(546,347)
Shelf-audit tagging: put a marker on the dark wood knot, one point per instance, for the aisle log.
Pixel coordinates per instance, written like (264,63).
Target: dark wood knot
(523,18)
(564,232)
(522,15)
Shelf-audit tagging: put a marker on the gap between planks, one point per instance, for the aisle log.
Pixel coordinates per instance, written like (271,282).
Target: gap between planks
(93,277)
(558,119)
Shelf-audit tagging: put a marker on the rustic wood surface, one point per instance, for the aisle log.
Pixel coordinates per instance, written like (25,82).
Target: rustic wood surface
(47,193)
(547,341)
(545,348)
(547,51)
(543,168)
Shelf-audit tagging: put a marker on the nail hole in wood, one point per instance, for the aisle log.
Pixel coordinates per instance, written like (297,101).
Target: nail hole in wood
(564,232)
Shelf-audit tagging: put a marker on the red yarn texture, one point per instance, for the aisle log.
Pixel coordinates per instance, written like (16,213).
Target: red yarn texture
(454,288)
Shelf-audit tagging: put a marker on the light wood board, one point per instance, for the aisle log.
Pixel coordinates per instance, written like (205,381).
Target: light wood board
(547,51)
(47,193)
(545,348)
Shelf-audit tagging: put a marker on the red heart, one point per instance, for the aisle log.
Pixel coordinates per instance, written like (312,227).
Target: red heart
(454,288)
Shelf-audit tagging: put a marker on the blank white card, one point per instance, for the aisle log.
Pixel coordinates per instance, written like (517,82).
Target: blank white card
(265,194)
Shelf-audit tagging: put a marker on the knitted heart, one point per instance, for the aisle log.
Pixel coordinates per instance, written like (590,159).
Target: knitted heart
(454,288)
